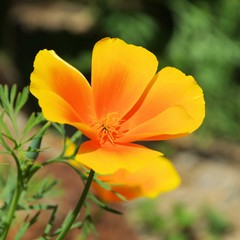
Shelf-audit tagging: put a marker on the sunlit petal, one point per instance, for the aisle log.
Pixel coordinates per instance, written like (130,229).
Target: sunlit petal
(174,106)
(109,158)
(54,76)
(120,73)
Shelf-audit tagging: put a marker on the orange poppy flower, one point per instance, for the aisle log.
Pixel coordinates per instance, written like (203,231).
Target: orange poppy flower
(126,102)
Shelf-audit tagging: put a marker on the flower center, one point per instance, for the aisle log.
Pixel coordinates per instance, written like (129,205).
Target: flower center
(108,128)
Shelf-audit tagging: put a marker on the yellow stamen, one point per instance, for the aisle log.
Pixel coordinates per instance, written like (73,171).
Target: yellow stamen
(108,128)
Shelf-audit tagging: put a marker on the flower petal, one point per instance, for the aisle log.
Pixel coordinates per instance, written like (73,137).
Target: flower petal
(108,158)
(120,74)
(54,76)
(156,177)
(174,106)
(56,109)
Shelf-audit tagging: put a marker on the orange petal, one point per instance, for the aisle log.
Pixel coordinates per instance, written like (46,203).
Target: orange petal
(120,73)
(53,77)
(109,158)
(174,106)
(125,191)
(156,177)
(56,109)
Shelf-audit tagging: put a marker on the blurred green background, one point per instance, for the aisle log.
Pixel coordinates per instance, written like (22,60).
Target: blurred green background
(200,37)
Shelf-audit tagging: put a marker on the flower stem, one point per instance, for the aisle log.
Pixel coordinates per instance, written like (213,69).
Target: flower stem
(73,215)
(12,209)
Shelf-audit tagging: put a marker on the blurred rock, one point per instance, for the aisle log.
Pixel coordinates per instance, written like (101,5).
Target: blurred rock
(54,16)
(8,73)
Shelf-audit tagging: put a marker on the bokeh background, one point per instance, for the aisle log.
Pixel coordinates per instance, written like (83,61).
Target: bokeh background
(200,37)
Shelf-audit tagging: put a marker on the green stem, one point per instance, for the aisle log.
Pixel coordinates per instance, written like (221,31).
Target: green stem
(12,208)
(72,217)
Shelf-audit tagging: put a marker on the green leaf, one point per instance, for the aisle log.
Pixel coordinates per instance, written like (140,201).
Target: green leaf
(21,99)
(4,98)
(103,205)
(13,94)
(74,226)
(51,221)
(45,187)
(26,225)
(77,224)
(87,225)
(32,122)
(34,147)
(3,126)
(60,128)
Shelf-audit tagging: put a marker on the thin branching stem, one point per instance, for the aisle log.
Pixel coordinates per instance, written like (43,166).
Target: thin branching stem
(72,217)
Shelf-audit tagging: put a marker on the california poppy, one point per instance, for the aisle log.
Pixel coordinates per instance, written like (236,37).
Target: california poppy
(126,102)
